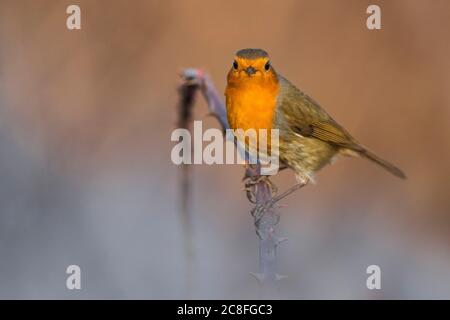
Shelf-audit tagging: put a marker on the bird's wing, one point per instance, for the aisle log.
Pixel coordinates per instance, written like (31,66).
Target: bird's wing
(305,117)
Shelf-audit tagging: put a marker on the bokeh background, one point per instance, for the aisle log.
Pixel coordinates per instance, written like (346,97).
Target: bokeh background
(85,170)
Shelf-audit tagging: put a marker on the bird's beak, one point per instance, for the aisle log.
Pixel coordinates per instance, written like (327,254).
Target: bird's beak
(250,71)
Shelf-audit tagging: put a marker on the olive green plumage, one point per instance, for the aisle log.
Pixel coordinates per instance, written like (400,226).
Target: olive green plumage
(310,138)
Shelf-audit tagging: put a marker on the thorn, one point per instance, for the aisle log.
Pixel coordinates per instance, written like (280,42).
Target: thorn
(280,240)
(258,276)
(279,277)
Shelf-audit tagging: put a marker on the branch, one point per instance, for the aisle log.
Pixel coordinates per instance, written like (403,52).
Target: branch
(260,190)
(200,80)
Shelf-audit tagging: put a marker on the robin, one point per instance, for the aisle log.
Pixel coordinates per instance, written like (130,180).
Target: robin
(257,97)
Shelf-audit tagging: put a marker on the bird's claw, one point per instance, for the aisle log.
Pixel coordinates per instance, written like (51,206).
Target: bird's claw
(250,191)
(251,183)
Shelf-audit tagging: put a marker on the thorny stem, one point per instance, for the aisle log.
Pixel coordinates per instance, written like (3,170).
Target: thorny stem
(263,191)
(259,188)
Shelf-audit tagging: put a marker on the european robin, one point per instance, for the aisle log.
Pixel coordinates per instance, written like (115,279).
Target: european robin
(257,97)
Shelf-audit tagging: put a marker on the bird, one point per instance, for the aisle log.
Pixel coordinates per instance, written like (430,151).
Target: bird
(257,97)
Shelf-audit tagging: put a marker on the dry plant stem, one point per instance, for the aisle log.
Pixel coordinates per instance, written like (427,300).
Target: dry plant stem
(258,188)
(263,192)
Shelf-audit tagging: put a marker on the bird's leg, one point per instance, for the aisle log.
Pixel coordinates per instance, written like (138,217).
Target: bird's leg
(249,180)
(292,189)
(259,210)
(255,186)
(251,183)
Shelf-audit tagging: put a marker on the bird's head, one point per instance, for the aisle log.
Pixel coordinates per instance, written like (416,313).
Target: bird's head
(251,65)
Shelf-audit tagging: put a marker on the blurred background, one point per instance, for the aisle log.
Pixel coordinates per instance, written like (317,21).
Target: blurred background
(85,170)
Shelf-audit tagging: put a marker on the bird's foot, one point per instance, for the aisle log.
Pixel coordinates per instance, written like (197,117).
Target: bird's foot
(252,182)
(249,188)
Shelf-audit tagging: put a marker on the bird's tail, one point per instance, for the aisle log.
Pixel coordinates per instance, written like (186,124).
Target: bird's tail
(385,164)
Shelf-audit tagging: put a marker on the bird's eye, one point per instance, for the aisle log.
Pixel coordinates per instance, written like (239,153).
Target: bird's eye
(267,66)
(235,65)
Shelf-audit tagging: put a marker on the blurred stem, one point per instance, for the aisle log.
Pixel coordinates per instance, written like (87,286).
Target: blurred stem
(187,92)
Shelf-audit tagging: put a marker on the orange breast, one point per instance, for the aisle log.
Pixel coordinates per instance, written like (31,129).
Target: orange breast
(251,105)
